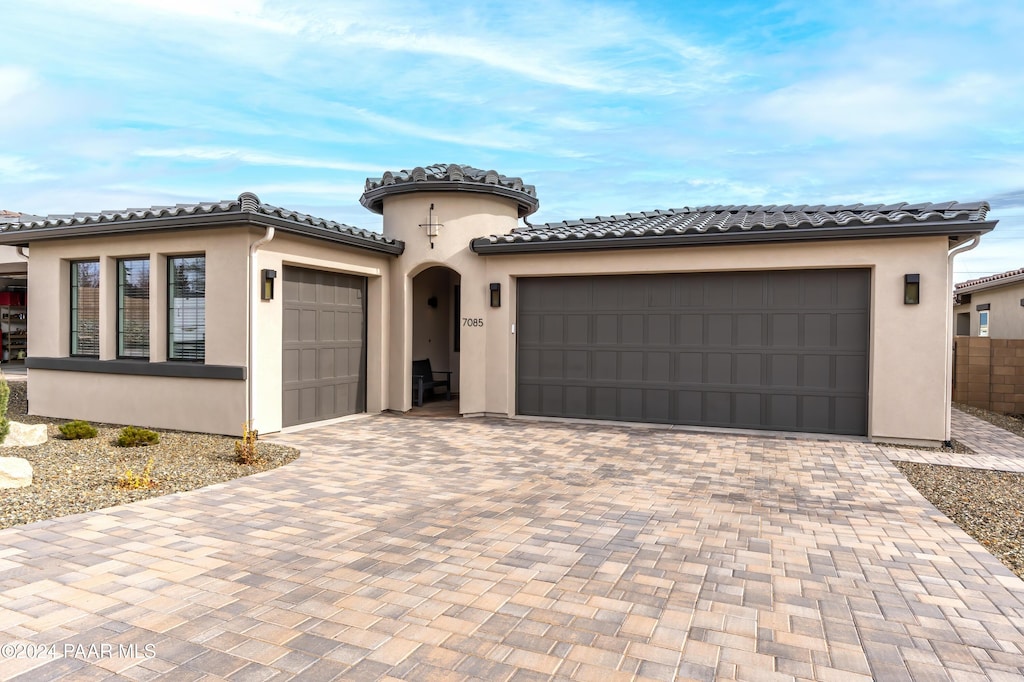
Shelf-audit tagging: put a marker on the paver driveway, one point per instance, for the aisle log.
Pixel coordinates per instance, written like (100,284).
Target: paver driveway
(494,549)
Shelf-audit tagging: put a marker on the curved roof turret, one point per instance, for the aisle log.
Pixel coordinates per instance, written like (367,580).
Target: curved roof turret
(449,177)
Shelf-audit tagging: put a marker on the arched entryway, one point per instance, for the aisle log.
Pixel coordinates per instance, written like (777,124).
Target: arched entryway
(436,313)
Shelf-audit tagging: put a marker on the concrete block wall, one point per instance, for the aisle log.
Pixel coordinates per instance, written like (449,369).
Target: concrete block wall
(989,373)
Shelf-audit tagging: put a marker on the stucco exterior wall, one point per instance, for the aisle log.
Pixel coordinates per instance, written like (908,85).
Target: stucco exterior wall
(907,348)
(212,405)
(286,249)
(1006,316)
(463,217)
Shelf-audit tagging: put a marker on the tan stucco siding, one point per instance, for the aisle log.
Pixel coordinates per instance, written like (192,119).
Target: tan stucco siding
(1006,315)
(216,406)
(907,351)
(463,217)
(225,251)
(286,249)
(203,405)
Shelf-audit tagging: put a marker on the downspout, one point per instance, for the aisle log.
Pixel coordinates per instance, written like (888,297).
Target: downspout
(21,252)
(250,204)
(962,248)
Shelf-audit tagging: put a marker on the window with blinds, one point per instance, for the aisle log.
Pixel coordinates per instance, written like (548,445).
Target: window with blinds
(186,308)
(85,308)
(133,308)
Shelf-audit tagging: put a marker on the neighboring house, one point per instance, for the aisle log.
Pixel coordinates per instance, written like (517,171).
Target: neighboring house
(826,319)
(991,306)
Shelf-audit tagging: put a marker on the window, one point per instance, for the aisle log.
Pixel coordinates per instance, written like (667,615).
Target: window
(133,308)
(186,308)
(85,308)
(983,323)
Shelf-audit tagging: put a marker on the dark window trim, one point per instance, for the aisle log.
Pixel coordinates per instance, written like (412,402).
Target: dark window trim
(170,326)
(984,306)
(187,370)
(72,308)
(118,328)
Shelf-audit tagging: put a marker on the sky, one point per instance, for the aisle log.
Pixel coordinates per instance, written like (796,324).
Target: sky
(606,107)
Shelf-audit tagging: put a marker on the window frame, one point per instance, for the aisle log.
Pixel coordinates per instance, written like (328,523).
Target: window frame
(984,320)
(120,308)
(171,309)
(74,308)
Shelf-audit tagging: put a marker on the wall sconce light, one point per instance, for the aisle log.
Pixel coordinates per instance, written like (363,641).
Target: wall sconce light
(911,289)
(433,227)
(495,295)
(267,278)
(432,301)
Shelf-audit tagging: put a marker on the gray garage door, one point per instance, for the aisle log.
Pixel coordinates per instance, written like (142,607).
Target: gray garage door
(779,350)
(324,363)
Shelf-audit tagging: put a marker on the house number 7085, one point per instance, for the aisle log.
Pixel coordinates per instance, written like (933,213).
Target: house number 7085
(472,322)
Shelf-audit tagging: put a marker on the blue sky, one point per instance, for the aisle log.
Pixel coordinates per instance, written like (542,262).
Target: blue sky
(605,107)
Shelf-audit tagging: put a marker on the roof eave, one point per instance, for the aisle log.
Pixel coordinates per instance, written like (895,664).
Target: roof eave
(984,286)
(483,246)
(224,219)
(373,199)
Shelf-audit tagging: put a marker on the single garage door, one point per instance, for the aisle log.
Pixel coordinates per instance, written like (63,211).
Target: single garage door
(778,350)
(324,363)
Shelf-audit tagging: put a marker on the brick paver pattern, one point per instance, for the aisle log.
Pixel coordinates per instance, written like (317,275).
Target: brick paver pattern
(994,448)
(507,550)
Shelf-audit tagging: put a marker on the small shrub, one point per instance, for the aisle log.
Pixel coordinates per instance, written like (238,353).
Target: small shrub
(5,394)
(78,430)
(246,450)
(134,436)
(130,480)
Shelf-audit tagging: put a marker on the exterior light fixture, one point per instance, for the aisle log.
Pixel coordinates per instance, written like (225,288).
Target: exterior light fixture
(432,226)
(911,289)
(267,278)
(495,295)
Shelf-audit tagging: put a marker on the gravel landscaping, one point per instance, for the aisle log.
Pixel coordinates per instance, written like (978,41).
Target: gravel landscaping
(73,476)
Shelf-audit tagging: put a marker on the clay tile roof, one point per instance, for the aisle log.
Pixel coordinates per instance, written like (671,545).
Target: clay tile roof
(247,207)
(981,283)
(722,224)
(442,177)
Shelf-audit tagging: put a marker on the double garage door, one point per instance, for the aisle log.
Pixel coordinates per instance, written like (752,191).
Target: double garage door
(324,345)
(778,350)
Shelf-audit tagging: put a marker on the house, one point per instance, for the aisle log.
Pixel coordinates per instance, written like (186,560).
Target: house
(824,319)
(991,306)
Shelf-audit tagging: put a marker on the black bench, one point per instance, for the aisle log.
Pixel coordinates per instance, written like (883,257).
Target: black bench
(423,380)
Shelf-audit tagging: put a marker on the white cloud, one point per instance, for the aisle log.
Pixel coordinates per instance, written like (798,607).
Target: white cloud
(253,158)
(15,82)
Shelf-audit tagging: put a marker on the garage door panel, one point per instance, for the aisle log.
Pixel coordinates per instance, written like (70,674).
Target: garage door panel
(529,329)
(748,410)
(754,349)
(719,330)
(606,329)
(749,329)
(605,365)
(552,329)
(659,366)
(785,370)
(576,401)
(631,366)
(850,329)
(719,368)
(658,405)
(748,369)
(690,330)
(782,412)
(689,368)
(551,365)
(577,329)
(324,345)
(785,329)
(817,330)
